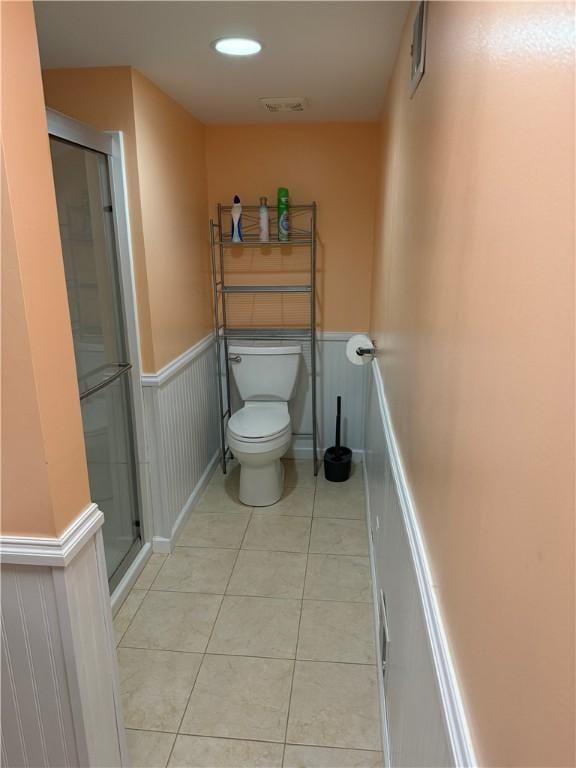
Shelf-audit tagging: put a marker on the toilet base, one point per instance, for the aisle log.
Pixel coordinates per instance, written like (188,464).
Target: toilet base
(261,486)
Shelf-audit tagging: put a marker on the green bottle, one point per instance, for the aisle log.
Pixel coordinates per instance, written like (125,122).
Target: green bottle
(283,215)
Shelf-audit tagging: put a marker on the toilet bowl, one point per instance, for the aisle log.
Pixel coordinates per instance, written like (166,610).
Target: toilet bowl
(260,433)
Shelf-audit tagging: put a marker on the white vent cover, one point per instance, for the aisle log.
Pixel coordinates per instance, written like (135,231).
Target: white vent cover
(283,103)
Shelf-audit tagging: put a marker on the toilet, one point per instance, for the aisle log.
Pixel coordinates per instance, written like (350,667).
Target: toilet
(260,433)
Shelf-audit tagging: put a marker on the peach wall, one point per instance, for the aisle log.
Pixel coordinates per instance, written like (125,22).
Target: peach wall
(473,313)
(44,475)
(330,163)
(172,176)
(166,174)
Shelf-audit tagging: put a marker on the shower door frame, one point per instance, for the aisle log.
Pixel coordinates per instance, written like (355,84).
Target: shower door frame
(110,143)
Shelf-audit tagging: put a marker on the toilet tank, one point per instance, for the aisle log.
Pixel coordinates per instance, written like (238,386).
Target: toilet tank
(264,373)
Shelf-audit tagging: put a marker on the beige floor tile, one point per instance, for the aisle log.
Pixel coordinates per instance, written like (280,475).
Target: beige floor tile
(335,577)
(339,537)
(231,479)
(150,571)
(173,621)
(205,529)
(298,472)
(331,631)
(356,478)
(127,612)
(220,497)
(334,705)
(278,534)
(345,500)
(149,749)
(268,574)
(296,501)
(206,752)
(155,687)
(297,756)
(196,570)
(257,626)
(239,697)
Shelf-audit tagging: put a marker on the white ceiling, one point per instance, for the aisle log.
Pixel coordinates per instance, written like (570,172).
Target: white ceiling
(339,55)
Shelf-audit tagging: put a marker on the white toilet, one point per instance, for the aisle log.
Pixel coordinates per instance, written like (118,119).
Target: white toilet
(260,433)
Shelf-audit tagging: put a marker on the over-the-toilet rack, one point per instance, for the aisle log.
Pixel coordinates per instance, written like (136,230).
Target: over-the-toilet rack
(302,236)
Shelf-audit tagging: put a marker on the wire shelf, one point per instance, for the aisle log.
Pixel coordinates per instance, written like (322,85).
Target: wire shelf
(302,233)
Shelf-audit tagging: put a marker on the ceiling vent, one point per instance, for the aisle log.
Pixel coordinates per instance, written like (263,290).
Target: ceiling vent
(283,104)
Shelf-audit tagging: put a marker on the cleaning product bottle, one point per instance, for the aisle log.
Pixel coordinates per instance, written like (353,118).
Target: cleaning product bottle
(264,223)
(283,215)
(237,220)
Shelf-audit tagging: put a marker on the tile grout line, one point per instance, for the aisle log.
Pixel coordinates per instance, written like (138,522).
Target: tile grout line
(256,741)
(207,643)
(299,625)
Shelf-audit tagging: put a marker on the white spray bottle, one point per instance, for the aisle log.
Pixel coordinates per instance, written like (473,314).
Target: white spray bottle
(264,221)
(237,220)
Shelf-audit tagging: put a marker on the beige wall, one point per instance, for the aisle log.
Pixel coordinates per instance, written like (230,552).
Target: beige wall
(473,313)
(332,164)
(44,476)
(172,176)
(166,175)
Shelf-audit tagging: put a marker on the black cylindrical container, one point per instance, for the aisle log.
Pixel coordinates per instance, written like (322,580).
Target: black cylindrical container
(338,458)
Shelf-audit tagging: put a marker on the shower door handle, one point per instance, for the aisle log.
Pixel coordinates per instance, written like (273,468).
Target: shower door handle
(122,368)
(234,358)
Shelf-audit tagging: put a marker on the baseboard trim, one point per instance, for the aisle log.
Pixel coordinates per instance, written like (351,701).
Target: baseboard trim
(376,615)
(301,448)
(129,579)
(454,712)
(56,551)
(163,546)
(174,366)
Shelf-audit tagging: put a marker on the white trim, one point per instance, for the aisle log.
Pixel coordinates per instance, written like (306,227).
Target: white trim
(129,579)
(376,614)
(163,546)
(454,712)
(301,448)
(63,127)
(56,551)
(336,335)
(174,366)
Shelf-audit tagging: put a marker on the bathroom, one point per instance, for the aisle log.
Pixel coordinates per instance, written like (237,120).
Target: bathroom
(222,223)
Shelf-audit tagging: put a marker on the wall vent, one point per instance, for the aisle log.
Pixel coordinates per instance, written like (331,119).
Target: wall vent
(283,103)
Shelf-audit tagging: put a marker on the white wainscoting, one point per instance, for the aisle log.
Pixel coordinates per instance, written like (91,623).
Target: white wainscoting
(181,414)
(60,692)
(426,723)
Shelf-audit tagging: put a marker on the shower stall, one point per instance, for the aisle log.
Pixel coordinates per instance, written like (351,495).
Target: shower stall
(106,362)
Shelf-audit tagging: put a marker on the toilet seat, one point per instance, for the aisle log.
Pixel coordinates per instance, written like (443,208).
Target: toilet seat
(260,422)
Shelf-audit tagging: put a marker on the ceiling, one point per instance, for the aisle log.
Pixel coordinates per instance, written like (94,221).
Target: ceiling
(338,55)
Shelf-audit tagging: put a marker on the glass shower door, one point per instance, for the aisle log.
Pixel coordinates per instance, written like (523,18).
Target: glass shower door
(85,214)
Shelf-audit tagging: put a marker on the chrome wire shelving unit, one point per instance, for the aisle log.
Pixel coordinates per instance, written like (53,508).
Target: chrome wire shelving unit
(303,237)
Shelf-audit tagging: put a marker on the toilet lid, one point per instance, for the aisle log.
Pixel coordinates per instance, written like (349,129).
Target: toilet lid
(260,420)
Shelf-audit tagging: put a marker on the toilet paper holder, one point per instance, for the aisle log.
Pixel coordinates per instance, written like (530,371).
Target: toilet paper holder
(361,351)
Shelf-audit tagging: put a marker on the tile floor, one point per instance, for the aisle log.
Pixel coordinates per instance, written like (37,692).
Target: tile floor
(252,645)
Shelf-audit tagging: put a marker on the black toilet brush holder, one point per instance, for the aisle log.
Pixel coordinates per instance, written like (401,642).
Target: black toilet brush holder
(338,458)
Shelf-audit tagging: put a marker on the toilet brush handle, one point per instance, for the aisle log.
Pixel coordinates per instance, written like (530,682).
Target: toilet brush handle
(338,409)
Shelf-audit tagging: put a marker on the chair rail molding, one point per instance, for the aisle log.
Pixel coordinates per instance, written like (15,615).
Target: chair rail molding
(56,551)
(61,705)
(425,715)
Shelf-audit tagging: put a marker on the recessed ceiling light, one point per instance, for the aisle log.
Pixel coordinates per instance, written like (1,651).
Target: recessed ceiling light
(237,46)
